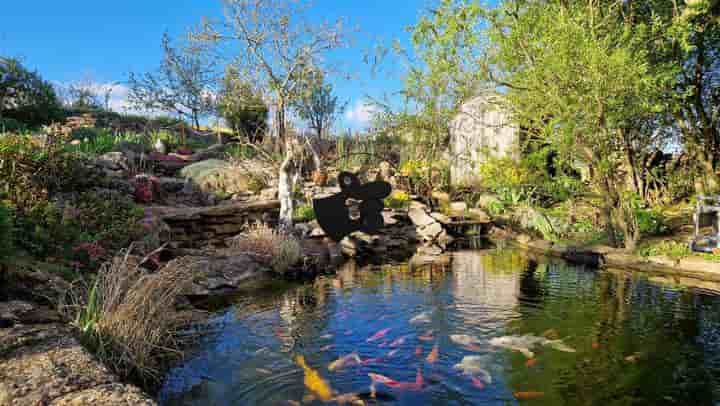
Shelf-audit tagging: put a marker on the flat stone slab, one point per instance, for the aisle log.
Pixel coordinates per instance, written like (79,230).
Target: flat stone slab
(198,213)
(43,364)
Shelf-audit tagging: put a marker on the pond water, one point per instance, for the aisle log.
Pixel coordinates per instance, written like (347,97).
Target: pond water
(539,331)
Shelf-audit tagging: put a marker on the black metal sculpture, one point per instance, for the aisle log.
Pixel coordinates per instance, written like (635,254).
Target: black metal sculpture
(333,214)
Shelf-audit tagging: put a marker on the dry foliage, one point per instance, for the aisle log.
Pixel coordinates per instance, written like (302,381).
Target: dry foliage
(129,315)
(275,249)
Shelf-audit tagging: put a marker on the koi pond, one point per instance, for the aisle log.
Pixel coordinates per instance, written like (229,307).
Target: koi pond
(484,327)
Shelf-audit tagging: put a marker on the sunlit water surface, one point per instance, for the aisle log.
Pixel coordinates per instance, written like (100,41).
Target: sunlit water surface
(638,340)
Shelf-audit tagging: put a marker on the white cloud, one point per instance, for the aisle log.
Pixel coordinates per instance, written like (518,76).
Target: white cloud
(360,114)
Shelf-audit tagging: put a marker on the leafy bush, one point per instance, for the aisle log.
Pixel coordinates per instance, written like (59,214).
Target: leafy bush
(83,229)
(650,221)
(242,108)
(672,249)
(274,249)
(398,199)
(303,213)
(129,317)
(11,125)
(31,172)
(425,176)
(25,96)
(528,178)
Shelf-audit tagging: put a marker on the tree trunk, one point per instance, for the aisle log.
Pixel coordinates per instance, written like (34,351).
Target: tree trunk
(288,168)
(609,204)
(285,188)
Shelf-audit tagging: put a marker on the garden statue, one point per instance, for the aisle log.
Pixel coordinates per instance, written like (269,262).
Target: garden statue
(333,214)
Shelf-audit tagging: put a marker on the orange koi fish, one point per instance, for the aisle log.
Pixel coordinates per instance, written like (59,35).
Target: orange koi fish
(531,362)
(399,341)
(418,351)
(528,395)
(434,354)
(314,382)
(477,382)
(380,334)
(367,361)
(411,386)
(428,336)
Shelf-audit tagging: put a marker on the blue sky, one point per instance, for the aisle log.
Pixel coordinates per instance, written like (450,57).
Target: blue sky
(103,40)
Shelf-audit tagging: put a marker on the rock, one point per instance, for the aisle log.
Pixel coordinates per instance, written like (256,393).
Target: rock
(429,250)
(113,161)
(224,272)
(427,227)
(458,208)
(524,239)
(419,216)
(216,151)
(478,215)
(486,200)
(269,193)
(386,171)
(22,312)
(440,217)
(441,196)
(113,394)
(171,185)
(131,148)
(45,364)
(389,218)
(316,230)
(166,164)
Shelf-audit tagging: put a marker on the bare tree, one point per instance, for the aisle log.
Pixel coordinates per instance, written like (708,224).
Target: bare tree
(184,84)
(276,46)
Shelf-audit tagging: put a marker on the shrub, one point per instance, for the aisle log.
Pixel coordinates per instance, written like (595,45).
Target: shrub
(129,317)
(25,96)
(83,229)
(398,200)
(11,125)
(31,172)
(672,249)
(303,213)
(242,108)
(529,178)
(273,249)
(650,221)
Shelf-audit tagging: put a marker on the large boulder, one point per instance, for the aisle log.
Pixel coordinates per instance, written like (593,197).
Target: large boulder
(429,228)
(43,364)
(225,272)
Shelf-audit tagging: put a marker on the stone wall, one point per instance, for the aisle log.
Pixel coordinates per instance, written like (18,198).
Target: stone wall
(199,227)
(481,128)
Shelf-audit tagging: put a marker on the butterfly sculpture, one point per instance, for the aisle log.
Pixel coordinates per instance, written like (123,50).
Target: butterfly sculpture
(333,214)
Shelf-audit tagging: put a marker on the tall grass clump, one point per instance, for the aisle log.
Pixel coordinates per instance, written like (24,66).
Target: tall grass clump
(129,318)
(270,247)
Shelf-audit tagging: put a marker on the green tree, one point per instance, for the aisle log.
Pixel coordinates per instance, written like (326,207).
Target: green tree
(578,74)
(183,84)
(25,96)
(242,107)
(442,73)
(318,106)
(697,107)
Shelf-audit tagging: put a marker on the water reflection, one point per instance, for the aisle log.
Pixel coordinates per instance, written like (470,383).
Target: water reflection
(637,340)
